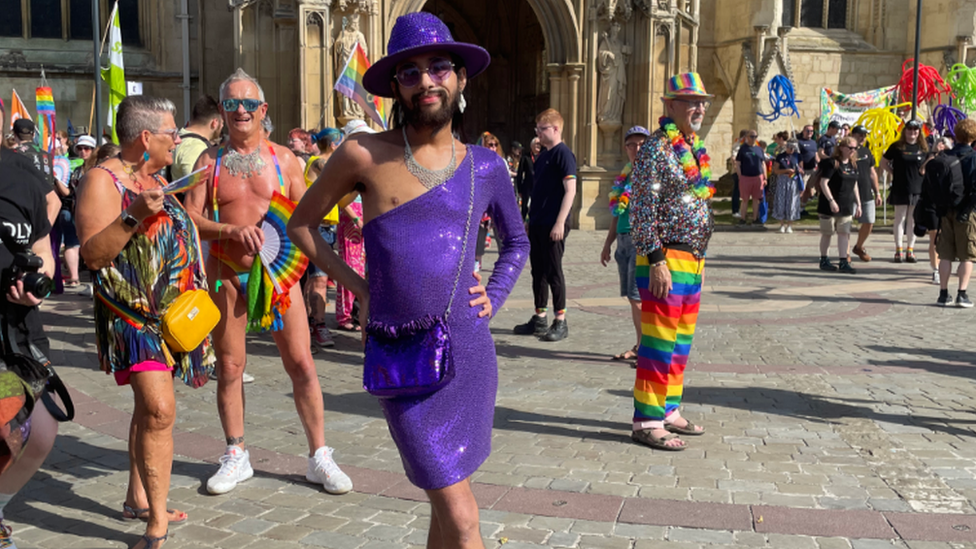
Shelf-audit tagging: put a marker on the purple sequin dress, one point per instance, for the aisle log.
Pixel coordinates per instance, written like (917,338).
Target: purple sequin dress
(412,254)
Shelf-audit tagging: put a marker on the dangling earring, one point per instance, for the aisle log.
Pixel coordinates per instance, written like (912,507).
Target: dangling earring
(462,103)
(145,156)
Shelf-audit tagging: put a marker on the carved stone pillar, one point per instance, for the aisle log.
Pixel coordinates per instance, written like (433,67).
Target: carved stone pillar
(573,73)
(556,87)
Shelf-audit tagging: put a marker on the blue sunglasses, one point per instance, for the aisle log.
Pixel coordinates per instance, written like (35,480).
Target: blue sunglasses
(250,105)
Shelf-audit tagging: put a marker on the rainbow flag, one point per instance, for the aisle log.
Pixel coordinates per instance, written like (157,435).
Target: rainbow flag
(188,181)
(350,84)
(17,110)
(46,118)
(284,261)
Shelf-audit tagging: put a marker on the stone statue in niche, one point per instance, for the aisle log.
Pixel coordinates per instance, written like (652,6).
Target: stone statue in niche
(345,44)
(612,58)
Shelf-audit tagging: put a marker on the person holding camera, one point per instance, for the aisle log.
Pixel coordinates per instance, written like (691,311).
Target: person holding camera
(144,249)
(26,263)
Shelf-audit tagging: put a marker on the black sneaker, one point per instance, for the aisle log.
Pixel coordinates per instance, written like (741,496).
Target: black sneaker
(963,302)
(910,257)
(826,265)
(757,223)
(557,332)
(741,223)
(944,299)
(845,267)
(536,326)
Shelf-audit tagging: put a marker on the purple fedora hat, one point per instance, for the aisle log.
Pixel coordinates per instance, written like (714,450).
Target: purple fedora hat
(414,34)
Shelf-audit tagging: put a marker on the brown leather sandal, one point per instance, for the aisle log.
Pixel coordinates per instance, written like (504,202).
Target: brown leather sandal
(645,437)
(687,430)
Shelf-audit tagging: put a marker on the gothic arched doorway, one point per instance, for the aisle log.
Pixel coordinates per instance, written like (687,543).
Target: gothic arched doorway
(505,99)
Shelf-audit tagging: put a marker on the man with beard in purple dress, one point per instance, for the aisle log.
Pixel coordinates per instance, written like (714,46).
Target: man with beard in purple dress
(443,436)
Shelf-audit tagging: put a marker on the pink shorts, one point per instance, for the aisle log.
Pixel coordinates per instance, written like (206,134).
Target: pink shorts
(750,187)
(122,376)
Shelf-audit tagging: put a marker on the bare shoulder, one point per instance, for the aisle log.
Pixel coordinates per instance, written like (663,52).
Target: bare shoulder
(208,156)
(285,156)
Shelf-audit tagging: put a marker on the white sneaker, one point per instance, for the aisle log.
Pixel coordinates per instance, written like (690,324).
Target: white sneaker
(245,378)
(935,278)
(321,336)
(235,467)
(322,469)
(782,229)
(789,229)
(736,215)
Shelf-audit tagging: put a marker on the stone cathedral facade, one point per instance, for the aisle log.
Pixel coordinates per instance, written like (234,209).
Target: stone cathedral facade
(601,63)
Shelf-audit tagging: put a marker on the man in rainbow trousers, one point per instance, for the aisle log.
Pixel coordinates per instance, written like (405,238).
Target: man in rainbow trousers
(671,223)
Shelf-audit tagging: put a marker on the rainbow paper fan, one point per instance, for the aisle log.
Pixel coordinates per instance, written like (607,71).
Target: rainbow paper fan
(282,259)
(188,181)
(62,169)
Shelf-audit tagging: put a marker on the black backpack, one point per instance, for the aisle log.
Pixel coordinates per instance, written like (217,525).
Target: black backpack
(944,187)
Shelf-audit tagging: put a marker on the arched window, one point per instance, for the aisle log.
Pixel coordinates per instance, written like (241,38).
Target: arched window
(822,14)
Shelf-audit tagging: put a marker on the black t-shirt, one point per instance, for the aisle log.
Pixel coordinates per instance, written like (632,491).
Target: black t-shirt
(551,168)
(841,183)
(751,160)
(40,159)
(827,143)
(906,164)
(23,218)
(808,153)
(33,176)
(865,164)
(786,161)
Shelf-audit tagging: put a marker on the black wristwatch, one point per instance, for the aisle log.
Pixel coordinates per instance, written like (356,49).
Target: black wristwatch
(128,220)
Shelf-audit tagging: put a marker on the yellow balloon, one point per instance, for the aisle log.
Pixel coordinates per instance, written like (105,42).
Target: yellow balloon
(884,128)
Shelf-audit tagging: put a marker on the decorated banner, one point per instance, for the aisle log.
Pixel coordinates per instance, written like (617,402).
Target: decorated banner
(46,125)
(17,110)
(350,84)
(847,108)
(114,75)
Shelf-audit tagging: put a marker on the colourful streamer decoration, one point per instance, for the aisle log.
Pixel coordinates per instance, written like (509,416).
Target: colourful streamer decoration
(46,117)
(962,80)
(782,98)
(930,83)
(188,181)
(884,127)
(945,118)
(620,192)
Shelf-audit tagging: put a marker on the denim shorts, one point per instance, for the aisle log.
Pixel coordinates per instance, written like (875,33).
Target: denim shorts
(66,224)
(328,233)
(626,257)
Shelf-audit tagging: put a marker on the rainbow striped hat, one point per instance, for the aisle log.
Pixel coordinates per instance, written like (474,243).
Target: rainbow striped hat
(687,84)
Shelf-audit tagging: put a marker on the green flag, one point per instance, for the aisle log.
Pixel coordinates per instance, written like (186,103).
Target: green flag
(114,75)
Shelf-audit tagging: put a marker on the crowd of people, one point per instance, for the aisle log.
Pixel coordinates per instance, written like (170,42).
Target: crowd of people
(424,318)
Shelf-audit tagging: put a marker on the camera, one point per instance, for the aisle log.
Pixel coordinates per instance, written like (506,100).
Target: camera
(26,267)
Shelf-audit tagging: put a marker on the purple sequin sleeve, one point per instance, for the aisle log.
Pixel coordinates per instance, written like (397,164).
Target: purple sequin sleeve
(645,193)
(514,245)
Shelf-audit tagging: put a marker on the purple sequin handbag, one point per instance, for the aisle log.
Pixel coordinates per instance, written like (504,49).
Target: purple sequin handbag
(415,358)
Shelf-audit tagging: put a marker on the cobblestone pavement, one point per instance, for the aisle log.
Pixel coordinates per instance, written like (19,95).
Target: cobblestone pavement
(839,409)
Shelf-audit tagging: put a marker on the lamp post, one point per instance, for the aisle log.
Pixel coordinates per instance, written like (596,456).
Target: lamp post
(918,37)
(96,69)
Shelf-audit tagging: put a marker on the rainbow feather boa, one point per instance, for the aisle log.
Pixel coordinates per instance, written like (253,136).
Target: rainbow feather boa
(698,173)
(620,192)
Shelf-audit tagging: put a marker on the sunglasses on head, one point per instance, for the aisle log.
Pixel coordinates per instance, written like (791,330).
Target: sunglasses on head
(409,75)
(250,105)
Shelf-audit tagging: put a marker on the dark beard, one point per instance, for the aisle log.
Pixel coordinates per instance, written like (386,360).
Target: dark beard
(435,120)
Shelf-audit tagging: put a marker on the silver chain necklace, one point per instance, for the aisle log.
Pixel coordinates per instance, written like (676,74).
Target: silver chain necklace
(244,164)
(428,178)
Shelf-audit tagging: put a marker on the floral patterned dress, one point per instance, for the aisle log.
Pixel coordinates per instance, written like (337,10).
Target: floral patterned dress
(160,262)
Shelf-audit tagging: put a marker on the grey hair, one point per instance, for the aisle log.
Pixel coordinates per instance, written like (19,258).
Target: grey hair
(139,113)
(240,75)
(267,125)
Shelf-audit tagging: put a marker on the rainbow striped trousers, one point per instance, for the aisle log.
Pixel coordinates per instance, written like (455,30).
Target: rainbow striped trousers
(667,328)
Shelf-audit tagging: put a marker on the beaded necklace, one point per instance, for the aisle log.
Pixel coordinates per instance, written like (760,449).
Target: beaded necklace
(620,192)
(694,162)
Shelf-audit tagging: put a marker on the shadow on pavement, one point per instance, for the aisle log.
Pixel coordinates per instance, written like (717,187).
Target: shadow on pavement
(944,361)
(507,419)
(814,408)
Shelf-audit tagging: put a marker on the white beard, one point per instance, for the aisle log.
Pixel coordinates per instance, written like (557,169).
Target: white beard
(695,126)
